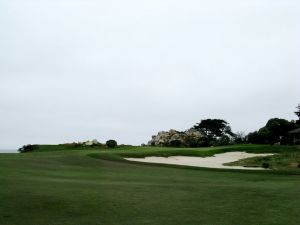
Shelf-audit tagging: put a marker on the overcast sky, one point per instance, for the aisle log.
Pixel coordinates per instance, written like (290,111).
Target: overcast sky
(73,70)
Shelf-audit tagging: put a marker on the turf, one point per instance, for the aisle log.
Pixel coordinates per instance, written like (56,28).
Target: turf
(65,187)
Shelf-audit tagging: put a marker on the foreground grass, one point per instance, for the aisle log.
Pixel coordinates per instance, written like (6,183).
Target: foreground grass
(70,187)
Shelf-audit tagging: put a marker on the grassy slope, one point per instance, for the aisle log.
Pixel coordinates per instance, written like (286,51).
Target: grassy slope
(69,187)
(288,160)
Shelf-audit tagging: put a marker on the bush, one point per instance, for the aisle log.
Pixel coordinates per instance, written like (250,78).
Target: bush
(194,142)
(176,143)
(28,148)
(71,145)
(98,145)
(203,141)
(111,144)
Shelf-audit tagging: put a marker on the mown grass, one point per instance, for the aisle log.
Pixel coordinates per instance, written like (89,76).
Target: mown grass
(70,187)
(204,152)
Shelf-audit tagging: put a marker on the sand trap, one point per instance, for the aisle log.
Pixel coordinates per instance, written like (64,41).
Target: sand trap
(215,161)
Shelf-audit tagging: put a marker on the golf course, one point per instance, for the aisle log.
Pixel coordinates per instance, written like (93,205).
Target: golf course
(147,112)
(62,185)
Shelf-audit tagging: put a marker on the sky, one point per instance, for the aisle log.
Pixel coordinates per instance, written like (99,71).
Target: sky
(76,70)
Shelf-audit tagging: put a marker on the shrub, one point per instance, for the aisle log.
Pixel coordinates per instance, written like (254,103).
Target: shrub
(194,142)
(28,148)
(176,143)
(98,145)
(111,144)
(203,142)
(72,145)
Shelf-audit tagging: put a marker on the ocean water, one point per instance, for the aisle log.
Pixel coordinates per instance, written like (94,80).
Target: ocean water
(8,151)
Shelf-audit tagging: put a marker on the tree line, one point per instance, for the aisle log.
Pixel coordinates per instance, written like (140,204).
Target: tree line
(216,132)
(276,130)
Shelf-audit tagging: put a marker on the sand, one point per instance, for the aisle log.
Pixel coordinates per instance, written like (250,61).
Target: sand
(215,161)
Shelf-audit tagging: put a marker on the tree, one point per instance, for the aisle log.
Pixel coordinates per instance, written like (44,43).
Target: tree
(239,137)
(253,138)
(277,128)
(223,140)
(213,128)
(111,144)
(275,131)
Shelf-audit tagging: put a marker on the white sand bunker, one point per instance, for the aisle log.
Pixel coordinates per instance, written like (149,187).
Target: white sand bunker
(215,161)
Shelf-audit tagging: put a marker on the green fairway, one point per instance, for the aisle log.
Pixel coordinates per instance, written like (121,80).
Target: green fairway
(91,187)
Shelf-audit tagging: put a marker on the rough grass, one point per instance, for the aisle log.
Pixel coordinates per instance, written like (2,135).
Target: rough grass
(282,161)
(70,187)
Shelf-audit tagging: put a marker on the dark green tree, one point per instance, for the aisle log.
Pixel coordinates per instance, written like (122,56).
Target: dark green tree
(275,131)
(111,144)
(277,128)
(213,128)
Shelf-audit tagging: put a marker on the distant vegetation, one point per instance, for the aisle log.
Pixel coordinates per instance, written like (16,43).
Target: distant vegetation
(28,148)
(87,145)
(217,132)
(276,131)
(111,144)
(208,132)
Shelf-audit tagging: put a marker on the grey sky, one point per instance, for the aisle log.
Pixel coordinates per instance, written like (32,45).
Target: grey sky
(72,70)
